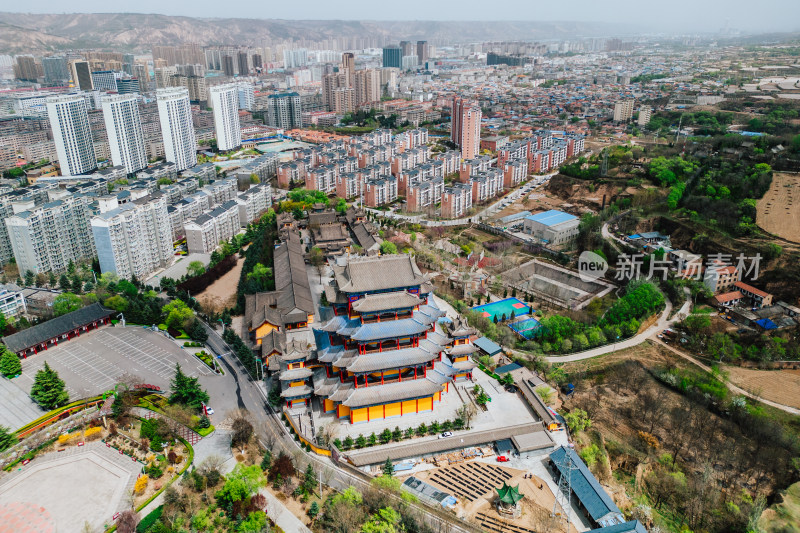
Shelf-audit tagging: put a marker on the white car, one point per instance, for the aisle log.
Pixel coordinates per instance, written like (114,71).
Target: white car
(209,410)
(446,434)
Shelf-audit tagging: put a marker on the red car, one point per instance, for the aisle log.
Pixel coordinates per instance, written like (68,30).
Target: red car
(502,459)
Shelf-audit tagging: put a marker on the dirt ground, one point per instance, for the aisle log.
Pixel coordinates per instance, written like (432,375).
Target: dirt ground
(781,386)
(222,293)
(778,212)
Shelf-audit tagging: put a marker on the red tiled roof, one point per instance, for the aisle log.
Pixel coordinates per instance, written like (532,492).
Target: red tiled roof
(749,288)
(728,296)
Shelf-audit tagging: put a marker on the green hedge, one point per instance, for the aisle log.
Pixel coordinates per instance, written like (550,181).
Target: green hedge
(148,521)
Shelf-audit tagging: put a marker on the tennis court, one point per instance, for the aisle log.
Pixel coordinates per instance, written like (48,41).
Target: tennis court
(503,307)
(528,328)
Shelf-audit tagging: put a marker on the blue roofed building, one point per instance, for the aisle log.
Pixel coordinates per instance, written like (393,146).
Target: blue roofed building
(487,346)
(554,228)
(591,497)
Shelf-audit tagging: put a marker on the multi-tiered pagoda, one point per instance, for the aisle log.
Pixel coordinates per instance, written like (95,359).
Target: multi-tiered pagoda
(383,353)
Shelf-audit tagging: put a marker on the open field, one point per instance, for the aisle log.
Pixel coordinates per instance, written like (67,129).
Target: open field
(222,293)
(781,386)
(778,212)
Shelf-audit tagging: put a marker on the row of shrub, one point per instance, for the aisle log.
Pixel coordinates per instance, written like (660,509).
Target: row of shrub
(387,435)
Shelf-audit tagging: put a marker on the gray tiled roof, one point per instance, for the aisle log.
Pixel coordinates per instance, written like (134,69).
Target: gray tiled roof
(54,327)
(390,359)
(369,274)
(393,392)
(387,301)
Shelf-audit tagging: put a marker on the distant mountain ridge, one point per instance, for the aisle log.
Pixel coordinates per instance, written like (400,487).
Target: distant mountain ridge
(134,32)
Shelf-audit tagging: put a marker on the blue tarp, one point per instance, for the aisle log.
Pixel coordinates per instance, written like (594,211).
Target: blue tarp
(766,323)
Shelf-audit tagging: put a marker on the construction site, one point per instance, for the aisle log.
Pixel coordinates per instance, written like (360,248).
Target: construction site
(560,286)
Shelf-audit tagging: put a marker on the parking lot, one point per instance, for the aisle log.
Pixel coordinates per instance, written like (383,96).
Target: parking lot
(95,362)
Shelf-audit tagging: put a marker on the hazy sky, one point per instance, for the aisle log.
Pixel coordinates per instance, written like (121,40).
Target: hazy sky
(669,15)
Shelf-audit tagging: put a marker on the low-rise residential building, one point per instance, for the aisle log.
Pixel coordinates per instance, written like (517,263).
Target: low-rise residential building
(253,203)
(204,233)
(12,301)
(456,200)
(380,191)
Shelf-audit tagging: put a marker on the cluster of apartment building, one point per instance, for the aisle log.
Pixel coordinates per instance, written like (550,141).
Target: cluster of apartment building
(378,167)
(46,226)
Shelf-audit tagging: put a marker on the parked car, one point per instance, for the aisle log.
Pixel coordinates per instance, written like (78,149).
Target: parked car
(446,434)
(502,459)
(209,410)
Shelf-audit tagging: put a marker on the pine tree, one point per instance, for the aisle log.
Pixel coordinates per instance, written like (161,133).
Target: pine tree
(48,389)
(187,390)
(313,510)
(388,468)
(9,364)
(7,438)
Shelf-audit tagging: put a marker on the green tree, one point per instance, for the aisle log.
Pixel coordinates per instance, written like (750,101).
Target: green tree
(195,268)
(9,363)
(388,247)
(388,468)
(29,278)
(48,389)
(177,314)
(577,420)
(697,323)
(187,390)
(313,511)
(66,302)
(260,274)
(117,303)
(7,438)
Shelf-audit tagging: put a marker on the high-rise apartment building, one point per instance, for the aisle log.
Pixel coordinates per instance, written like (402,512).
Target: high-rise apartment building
(623,110)
(105,80)
(423,51)
(295,58)
(392,57)
(466,127)
(46,238)
(82,75)
(55,69)
(177,131)
(344,100)
(247,97)
(407,48)
(258,62)
(26,68)
(69,121)
(284,111)
(243,63)
(330,83)
(349,66)
(124,130)
(645,114)
(228,66)
(224,99)
(134,239)
(128,61)
(367,84)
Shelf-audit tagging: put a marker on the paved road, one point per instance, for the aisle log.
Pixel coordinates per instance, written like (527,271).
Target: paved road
(663,322)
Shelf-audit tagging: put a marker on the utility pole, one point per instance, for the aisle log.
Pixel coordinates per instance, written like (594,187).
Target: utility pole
(564,494)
